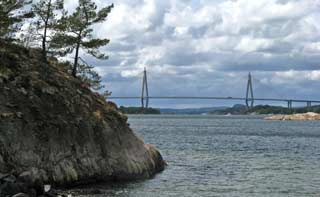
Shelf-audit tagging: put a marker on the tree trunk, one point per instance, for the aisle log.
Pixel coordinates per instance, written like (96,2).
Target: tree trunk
(75,65)
(44,40)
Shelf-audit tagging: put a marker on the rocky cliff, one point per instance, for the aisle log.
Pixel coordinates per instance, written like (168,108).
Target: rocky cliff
(55,130)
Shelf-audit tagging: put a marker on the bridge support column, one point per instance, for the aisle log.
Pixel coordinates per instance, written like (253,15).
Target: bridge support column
(145,92)
(249,93)
(309,104)
(289,104)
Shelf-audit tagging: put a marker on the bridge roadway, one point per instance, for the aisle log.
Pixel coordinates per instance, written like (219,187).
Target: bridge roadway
(216,98)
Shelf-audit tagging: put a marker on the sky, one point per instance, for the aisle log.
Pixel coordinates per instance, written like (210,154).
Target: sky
(208,47)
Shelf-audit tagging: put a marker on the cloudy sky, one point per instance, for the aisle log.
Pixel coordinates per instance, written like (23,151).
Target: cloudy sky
(207,48)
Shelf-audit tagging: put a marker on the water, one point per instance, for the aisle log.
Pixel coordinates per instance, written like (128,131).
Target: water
(227,156)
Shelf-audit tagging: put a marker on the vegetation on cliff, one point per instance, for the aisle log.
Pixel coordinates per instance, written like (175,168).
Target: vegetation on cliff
(11,17)
(56,31)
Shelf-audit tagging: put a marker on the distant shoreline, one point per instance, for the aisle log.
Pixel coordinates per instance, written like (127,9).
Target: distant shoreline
(224,111)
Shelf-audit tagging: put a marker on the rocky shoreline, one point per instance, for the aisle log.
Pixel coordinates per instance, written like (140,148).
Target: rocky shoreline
(300,117)
(55,131)
(23,186)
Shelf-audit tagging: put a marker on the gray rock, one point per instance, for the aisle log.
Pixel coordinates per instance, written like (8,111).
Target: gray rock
(26,177)
(21,195)
(62,133)
(9,189)
(47,188)
(296,117)
(23,91)
(3,175)
(9,179)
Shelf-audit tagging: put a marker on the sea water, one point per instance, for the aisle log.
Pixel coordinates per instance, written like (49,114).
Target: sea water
(226,156)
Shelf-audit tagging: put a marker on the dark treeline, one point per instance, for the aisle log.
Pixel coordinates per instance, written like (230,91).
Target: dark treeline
(46,24)
(265,109)
(138,110)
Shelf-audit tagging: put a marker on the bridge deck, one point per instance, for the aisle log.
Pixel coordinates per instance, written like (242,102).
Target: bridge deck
(216,98)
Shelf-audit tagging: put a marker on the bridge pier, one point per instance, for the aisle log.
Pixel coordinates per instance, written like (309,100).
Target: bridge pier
(309,104)
(249,103)
(289,104)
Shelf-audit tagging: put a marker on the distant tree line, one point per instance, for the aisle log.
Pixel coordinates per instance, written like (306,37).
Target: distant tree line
(57,31)
(266,109)
(138,110)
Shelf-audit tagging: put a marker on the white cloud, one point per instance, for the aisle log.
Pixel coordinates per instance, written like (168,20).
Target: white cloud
(247,44)
(293,76)
(207,47)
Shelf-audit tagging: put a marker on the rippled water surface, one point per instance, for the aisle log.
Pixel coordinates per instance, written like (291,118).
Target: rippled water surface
(227,156)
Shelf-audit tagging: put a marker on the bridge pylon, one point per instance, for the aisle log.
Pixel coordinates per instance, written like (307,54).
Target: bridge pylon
(249,92)
(145,92)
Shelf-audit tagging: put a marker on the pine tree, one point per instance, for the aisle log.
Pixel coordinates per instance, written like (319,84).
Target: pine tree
(28,38)
(45,10)
(76,32)
(11,16)
(89,76)
(86,73)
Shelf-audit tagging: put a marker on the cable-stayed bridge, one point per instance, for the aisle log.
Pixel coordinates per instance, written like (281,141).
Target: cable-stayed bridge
(248,100)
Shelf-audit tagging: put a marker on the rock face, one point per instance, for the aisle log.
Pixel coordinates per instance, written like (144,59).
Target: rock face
(55,130)
(304,116)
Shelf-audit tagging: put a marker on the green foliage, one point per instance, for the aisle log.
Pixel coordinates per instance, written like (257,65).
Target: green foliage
(106,94)
(12,13)
(315,109)
(29,37)
(65,33)
(266,109)
(75,32)
(138,110)
(45,11)
(86,74)
(89,76)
